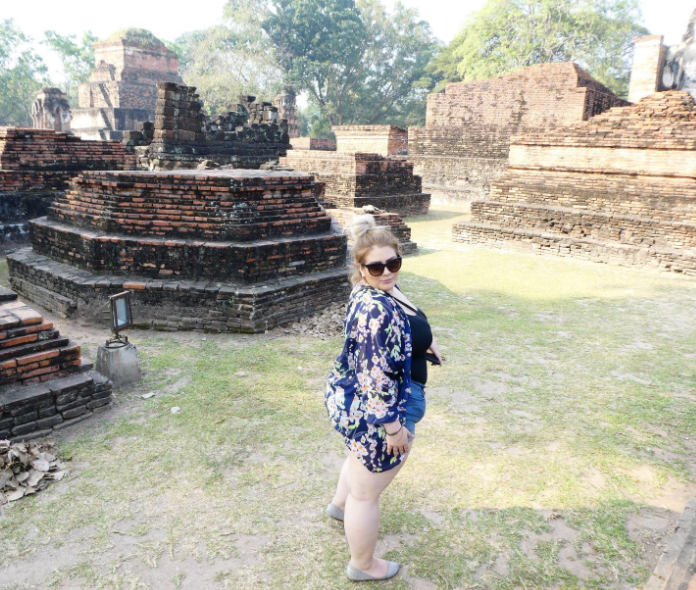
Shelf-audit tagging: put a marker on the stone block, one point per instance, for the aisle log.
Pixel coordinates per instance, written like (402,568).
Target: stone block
(120,365)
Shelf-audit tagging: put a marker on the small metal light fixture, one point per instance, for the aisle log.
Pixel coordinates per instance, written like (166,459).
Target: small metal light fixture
(121,318)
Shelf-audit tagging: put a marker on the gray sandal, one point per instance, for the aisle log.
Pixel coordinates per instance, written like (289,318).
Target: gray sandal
(357,575)
(334,512)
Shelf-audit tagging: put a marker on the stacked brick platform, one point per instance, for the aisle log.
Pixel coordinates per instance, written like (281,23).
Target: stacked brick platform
(218,250)
(313,143)
(45,385)
(354,180)
(465,143)
(385,140)
(37,164)
(618,188)
(183,135)
(390,220)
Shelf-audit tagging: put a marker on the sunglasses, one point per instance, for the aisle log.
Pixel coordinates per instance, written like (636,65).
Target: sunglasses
(376,269)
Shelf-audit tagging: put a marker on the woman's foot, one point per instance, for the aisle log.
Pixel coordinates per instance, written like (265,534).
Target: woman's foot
(379,570)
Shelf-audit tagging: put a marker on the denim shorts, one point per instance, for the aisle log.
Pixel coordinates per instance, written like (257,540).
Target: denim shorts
(415,407)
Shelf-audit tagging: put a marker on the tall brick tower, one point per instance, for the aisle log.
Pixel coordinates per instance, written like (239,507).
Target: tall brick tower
(122,89)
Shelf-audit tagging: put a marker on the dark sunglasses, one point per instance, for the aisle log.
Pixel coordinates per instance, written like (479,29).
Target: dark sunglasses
(376,269)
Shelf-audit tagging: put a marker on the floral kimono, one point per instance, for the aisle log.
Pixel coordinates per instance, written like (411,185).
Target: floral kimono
(371,379)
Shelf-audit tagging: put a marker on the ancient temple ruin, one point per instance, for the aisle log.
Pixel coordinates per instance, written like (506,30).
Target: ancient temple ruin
(229,250)
(122,90)
(287,109)
(465,143)
(384,140)
(45,383)
(354,180)
(51,110)
(182,136)
(618,188)
(36,166)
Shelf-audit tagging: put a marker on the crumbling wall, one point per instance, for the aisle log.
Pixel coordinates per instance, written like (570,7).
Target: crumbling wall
(36,166)
(617,188)
(385,140)
(183,136)
(466,140)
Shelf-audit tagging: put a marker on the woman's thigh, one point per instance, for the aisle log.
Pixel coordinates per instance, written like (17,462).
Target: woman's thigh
(365,484)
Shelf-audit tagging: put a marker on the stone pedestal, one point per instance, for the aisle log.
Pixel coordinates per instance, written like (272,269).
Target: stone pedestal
(119,363)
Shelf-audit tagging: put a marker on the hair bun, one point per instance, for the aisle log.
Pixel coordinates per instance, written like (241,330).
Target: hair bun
(361,225)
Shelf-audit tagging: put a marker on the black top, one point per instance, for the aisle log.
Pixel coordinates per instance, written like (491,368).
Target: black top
(422,338)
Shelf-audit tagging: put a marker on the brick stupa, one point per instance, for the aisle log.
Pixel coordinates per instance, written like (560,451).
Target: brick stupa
(235,250)
(465,142)
(121,92)
(36,166)
(45,384)
(620,188)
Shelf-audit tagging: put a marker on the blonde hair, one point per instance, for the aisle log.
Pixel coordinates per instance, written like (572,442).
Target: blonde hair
(366,235)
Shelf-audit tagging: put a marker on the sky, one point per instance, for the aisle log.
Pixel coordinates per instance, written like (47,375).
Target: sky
(72,17)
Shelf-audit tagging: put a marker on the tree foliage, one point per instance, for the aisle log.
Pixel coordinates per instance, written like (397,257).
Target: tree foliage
(223,62)
(506,35)
(77,58)
(22,75)
(356,62)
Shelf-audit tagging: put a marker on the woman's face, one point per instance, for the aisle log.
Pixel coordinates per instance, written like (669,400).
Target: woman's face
(386,280)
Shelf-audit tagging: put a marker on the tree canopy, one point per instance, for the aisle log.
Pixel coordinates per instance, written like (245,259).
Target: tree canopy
(506,35)
(77,58)
(355,61)
(22,75)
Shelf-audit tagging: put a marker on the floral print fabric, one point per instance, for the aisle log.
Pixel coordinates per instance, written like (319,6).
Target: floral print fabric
(371,379)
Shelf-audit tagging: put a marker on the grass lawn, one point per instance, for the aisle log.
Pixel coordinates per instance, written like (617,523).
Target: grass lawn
(557,451)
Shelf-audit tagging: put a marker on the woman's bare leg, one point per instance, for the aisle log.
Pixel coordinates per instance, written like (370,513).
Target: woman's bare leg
(362,515)
(341,494)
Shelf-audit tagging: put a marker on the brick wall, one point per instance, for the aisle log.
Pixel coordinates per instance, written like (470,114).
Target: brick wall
(617,188)
(314,143)
(466,140)
(357,179)
(385,140)
(36,165)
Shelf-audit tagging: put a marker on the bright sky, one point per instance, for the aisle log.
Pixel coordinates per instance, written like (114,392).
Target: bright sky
(68,17)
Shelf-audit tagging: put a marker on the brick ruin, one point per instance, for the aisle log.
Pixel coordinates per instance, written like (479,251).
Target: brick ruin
(287,109)
(222,250)
(385,140)
(465,143)
(36,166)
(354,180)
(45,384)
(314,143)
(182,136)
(122,90)
(618,188)
(51,110)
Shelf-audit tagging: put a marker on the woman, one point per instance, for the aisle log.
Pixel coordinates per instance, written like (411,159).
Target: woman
(375,393)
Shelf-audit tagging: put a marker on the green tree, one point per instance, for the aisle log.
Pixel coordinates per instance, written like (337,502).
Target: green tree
(77,58)
(223,62)
(506,35)
(22,75)
(356,62)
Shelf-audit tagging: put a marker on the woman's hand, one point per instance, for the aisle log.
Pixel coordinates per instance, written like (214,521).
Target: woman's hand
(397,443)
(435,349)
